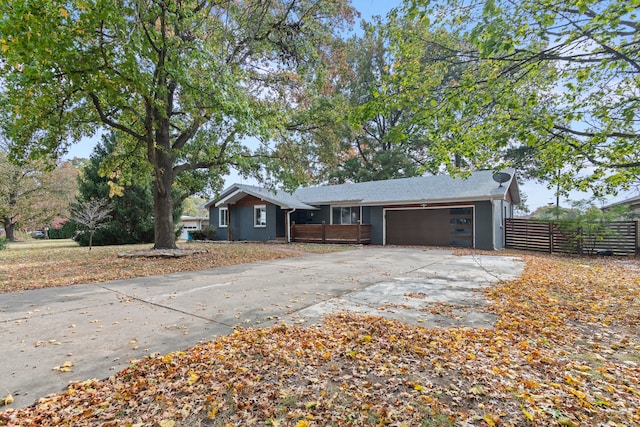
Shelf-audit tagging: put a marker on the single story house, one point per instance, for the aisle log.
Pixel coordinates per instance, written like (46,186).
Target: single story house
(429,210)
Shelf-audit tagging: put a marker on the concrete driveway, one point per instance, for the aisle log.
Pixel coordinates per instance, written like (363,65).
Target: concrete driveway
(99,329)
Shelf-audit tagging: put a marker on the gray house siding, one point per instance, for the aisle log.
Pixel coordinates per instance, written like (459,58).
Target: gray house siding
(484,228)
(236,216)
(366,215)
(501,211)
(221,232)
(241,224)
(498,220)
(376,219)
(242,217)
(311,217)
(299,217)
(280,222)
(324,214)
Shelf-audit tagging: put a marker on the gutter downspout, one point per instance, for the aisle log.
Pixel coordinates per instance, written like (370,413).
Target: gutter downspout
(289,224)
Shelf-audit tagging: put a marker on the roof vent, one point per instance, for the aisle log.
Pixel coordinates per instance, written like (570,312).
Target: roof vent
(501,177)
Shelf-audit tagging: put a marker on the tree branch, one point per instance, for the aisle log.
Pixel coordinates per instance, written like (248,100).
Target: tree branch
(187,134)
(624,135)
(109,122)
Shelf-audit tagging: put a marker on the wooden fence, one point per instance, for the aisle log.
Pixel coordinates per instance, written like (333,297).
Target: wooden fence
(531,235)
(323,233)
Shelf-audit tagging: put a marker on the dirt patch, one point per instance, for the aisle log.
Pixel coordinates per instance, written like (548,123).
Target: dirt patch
(161,253)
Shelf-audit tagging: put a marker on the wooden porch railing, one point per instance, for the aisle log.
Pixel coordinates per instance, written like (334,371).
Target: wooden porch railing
(323,233)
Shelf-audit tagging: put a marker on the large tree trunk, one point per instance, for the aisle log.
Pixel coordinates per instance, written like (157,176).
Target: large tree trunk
(164,233)
(10,229)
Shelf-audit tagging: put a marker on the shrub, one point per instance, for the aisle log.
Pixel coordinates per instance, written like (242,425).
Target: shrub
(65,230)
(3,243)
(207,233)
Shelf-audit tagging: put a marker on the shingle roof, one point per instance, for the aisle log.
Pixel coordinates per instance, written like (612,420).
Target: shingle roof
(425,189)
(438,188)
(280,198)
(630,201)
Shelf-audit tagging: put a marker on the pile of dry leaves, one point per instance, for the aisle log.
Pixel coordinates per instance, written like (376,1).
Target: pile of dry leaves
(565,351)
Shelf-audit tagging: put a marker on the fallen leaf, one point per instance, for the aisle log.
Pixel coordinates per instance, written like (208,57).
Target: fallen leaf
(7,400)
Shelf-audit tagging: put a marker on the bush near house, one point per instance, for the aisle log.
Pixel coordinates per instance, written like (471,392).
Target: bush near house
(207,233)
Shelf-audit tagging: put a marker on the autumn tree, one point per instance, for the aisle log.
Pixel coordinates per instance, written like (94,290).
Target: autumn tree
(575,66)
(183,83)
(92,214)
(33,194)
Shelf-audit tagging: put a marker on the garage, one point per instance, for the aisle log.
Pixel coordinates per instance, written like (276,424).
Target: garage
(446,226)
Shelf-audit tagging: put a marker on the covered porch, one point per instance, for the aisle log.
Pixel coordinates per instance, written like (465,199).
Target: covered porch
(323,233)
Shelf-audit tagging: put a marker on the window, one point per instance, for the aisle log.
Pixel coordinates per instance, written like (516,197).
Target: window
(346,214)
(460,211)
(460,221)
(223,219)
(260,216)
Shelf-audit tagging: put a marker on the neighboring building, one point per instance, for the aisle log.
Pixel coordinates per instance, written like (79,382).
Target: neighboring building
(190,223)
(633,204)
(431,210)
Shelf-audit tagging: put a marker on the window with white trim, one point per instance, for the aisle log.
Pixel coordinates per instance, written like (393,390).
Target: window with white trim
(346,214)
(223,217)
(260,216)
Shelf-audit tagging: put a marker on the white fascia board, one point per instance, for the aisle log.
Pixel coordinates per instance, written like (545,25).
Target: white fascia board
(224,200)
(349,202)
(434,201)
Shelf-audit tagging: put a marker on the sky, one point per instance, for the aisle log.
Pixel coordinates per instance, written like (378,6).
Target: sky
(537,194)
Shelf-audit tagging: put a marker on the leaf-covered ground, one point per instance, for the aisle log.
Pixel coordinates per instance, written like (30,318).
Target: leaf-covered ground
(45,264)
(565,351)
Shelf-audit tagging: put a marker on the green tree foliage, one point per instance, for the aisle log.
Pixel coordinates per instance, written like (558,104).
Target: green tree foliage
(132,207)
(372,139)
(194,206)
(62,228)
(556,87)
(587,224)
(382,100)
(184,83)
(398,105)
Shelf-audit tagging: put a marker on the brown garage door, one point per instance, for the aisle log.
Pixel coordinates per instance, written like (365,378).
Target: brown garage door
(430,227)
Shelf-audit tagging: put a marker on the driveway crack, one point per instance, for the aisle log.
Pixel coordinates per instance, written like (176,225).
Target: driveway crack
(165,307)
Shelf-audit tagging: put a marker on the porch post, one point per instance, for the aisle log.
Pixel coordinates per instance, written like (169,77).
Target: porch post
(324,236)
(359,231)
(228,223)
